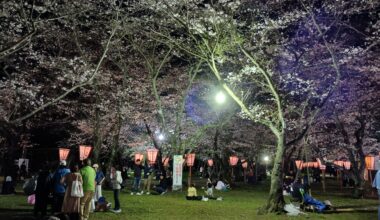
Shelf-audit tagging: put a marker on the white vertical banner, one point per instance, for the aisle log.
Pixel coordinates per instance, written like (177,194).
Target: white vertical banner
(177,172)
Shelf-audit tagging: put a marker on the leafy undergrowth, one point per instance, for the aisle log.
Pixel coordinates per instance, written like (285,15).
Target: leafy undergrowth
(239,203)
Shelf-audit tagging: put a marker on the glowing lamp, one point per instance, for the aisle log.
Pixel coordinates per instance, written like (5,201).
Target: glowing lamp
(315,164)
(233,160)
(220,97)
(63,153)
(347,165)
(370,162)
(139,156)
(299,164)
(190,159)
(152,155)
(84,151)
(165,161)
(210,162)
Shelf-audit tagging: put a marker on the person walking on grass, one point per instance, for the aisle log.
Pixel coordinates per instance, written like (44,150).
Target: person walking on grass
(71,205)
(88,175)
(137,174)
(116,181)
(59,188)
(42,191)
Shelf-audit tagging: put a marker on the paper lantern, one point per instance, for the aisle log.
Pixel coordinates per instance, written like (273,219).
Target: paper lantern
(244,164)
(347,165)
(233,160)
(190,159)
(319,162)
(338,163)
(84,151)
(139,156)
(322,167)
(152,155)
(165,161)
(370,162)
(63,153)
(299,164)
(210,162)
(315,164)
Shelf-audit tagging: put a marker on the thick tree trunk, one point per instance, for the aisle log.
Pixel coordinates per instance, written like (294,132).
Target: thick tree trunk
(275,202)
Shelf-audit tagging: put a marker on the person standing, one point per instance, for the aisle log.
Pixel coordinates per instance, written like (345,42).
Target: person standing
(116,181)
(42,191)
(88,175)
(59,188)
(99,178)
(376,183)
(148,176)
(71,205)
(137,174)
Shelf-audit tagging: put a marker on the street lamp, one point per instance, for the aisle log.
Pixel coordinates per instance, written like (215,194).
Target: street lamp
(266,160)
(161,137)
(220,97)
(190,162)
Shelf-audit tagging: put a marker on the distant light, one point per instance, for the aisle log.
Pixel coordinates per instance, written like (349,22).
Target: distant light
(266,158)
(220,97)
(161,137)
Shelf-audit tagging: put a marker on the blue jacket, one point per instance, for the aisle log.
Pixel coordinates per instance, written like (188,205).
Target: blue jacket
(376,181)
(58,187)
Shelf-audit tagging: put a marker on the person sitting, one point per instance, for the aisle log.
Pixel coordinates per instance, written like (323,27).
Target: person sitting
(102,205)
(210,191)
(220,185)
(162,186)
(192,193)
(299,192)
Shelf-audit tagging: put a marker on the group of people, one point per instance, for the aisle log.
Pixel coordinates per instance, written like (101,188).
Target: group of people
(73,191)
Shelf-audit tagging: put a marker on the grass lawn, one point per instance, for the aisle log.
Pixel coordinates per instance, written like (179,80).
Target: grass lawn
(240,203)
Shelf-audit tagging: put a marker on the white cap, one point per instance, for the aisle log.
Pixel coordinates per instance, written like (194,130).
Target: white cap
(62,162)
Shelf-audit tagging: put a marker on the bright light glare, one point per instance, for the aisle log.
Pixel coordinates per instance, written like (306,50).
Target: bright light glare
(220,97)
(266,158)
(161,137)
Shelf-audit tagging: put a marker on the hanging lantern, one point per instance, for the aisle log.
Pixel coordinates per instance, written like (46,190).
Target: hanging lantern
(139,156)
(347,165)
(233,160)
(315,164)
(210,162)
(63,153)
(370,162)
(299,164)
(165,161)
(322,167)
(84,151)
(152,155)
(190,159)
(244,164)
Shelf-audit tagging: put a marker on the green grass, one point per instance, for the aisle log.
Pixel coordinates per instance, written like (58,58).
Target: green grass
(240,203)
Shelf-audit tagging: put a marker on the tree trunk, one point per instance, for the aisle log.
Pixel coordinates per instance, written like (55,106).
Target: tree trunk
(275,202)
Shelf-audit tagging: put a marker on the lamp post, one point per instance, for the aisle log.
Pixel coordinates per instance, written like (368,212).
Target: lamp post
(152,155)
(244,164)
(323,169)
(266,161)
(233,161)
(220,97)
(139,157)
(165,161)
(190,163)
(84,151)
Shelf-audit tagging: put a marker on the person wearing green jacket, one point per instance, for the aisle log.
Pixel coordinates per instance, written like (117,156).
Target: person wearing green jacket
(88,175)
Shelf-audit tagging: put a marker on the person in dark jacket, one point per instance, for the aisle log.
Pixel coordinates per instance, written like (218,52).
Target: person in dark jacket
(162,187)
(42,191)
(137,169)
(59,188)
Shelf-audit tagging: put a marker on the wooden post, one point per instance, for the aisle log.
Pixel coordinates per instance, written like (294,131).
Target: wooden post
(189,178)
(323,180)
